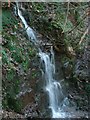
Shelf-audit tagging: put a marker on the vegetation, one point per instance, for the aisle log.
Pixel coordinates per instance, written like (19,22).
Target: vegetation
(65,26)
(17,52)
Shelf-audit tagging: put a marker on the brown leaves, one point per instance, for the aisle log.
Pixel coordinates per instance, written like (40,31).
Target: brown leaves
(20,25)
(8,3)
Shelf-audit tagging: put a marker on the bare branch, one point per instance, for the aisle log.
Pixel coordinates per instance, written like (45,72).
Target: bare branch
(66,17)
(83,36)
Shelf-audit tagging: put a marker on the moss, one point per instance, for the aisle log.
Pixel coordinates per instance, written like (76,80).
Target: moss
(16,51)
(8,18)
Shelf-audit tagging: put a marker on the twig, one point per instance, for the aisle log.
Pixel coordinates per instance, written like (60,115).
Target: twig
(82,38)
(66,17)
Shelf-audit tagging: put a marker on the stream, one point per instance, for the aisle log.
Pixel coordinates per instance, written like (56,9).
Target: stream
(58,102)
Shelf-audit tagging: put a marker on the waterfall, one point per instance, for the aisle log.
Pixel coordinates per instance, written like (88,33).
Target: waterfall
(53,88)
(29,30)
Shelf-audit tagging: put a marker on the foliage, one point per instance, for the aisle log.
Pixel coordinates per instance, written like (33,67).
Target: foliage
(17,53)
(63,24)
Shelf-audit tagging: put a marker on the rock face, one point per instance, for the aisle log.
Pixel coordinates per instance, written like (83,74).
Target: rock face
(82,75)
(83,66)
(11,115)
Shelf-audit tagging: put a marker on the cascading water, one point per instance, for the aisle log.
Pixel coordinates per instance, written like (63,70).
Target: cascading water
(29,30)
(53,88)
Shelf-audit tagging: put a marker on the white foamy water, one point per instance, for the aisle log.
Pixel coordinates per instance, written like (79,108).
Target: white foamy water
(29,30)
(53,87)
(57,101)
